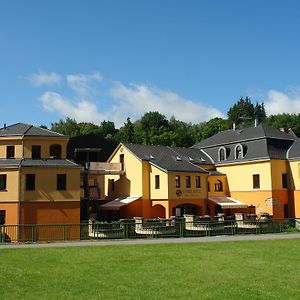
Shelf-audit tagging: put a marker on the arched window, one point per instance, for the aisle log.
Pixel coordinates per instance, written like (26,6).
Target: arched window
(218,186)
(55,151)
(239,153)
(222,154)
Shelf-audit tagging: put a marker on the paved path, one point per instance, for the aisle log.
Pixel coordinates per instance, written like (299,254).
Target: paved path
(221,238)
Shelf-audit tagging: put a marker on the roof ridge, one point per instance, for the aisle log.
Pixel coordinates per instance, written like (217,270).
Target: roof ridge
(30,126)
(46,129)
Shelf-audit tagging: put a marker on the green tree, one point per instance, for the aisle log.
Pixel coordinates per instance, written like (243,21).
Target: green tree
(259,112)
(213,126)
(243,113)
(151,125)
(107,129)
(126,133)
(88,128)
(182,133)
(68,127)
(285,121)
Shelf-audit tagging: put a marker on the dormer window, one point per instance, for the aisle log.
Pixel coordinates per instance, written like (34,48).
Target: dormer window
(238,151)
(222,154)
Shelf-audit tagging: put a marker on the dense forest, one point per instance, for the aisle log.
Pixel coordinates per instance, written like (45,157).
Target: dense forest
(154,128)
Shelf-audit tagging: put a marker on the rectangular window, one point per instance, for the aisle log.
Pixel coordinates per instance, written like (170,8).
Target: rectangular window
(122,162)
(3,182)
(61,183)
(256,181)
(112,185)
(156,181)
(10,152)
(36,152)
(30,182)
(177,179)
(198,182)
(284,181)
(188,181)
(2,217)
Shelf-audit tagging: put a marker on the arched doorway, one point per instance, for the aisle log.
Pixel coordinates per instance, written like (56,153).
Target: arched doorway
(158,211)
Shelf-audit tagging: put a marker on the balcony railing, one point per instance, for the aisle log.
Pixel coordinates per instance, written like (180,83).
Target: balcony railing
(105,168)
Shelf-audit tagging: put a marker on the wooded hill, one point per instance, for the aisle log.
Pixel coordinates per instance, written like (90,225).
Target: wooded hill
(153,128)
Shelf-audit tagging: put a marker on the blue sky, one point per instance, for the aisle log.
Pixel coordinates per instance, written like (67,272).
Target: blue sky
(107,60)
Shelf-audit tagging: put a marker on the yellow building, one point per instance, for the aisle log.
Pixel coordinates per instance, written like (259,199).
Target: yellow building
(257,163)
(38,185)
(157,181)
(254,170)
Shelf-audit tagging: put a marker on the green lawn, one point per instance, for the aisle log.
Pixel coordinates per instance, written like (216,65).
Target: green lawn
(228,270)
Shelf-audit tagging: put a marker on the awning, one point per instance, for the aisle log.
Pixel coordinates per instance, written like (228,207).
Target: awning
(119,202)
(227,202)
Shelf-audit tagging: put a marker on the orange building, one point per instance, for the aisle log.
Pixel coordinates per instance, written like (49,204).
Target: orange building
(254,170)
(38,185)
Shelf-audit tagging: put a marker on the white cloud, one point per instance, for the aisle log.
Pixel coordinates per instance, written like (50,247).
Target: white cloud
(279,102)
(82,84)
(138,99)
(82,111)
(42,78)
(124,101)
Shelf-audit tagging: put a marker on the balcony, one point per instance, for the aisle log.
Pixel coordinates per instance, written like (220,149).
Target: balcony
(103,168)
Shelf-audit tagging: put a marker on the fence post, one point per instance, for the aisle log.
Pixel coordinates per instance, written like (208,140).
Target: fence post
(33,233)
(125,226)
(65,232)
(179,226)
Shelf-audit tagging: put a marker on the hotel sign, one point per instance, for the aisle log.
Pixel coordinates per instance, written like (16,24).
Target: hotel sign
(188,192)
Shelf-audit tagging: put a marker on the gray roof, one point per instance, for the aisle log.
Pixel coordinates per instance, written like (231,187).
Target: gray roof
(216,173)
(5,163)
(169,159)
(261,142)
(46,163)
(21,129)
(58,163)
(294,151)
(245,134)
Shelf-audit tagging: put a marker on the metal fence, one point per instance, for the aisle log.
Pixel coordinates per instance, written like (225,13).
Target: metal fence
(139,228)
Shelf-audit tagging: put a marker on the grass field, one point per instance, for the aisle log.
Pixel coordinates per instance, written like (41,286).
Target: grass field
(229,270)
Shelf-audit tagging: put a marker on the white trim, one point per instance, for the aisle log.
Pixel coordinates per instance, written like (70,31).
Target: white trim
(242,149)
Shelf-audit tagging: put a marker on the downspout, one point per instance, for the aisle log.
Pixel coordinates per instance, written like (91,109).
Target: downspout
(19,189)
